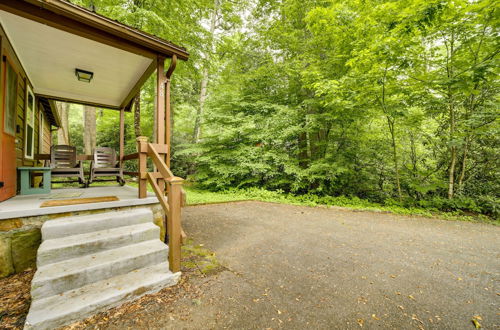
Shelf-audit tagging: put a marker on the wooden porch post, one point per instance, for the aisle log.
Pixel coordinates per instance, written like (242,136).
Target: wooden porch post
(160,100)
(168,119)
(174,223)
(122,135)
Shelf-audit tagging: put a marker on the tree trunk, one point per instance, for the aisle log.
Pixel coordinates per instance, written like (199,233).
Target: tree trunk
(63,131)
(205,75)
(89,133)
(451,111)
(390,122)
(137,115)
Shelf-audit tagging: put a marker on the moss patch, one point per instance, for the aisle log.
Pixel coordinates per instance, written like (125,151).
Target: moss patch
(24,247)
(6,265)
(197,258)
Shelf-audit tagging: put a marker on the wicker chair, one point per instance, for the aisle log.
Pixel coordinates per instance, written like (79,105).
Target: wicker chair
(63,163)
(105,164)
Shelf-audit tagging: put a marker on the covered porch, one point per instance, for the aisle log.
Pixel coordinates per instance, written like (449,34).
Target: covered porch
(67,53)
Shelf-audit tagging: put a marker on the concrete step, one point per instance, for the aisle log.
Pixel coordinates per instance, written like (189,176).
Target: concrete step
(63,248)
(94,222)
(70,306)
(73,273)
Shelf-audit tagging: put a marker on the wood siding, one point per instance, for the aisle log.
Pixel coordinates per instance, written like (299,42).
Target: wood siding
(21,160)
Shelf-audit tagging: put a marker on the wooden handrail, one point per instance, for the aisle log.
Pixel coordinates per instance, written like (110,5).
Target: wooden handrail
(171,205)
(159,163)
(159,194)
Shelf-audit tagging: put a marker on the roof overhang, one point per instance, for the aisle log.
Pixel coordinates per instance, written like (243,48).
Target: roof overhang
(52,38)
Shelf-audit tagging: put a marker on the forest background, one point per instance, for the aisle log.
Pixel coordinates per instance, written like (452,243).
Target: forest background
(388,102)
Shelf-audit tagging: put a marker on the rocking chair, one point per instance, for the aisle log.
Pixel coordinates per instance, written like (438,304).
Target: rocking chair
(105,164)
(63,163)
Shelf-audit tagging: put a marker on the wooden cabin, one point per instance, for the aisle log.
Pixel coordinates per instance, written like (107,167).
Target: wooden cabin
(53,50)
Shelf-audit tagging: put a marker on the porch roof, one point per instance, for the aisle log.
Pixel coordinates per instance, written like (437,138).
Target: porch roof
(52,38)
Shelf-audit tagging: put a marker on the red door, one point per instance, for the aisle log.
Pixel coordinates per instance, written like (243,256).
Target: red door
(8,128)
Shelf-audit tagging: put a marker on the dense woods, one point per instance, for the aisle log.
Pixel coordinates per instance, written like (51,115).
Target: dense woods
(391,101)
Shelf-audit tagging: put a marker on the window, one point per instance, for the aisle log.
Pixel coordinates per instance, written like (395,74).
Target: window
(41,128)
(29,137)
(10,99)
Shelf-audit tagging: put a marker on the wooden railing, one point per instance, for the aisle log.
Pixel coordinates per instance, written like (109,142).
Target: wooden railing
(168,190)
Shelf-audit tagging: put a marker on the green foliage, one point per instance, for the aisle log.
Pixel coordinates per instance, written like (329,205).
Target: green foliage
(442,208)
(393,103)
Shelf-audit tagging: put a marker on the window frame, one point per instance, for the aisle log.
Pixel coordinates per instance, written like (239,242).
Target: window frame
(29,122)
(7,63)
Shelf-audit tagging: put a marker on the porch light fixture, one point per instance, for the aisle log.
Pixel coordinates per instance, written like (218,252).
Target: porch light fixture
(85,76)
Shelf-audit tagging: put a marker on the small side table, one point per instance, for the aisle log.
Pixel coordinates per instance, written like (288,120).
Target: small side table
(25,180)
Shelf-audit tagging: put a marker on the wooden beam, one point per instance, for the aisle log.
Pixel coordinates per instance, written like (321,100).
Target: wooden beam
(76,22)
(122,135)
(113,27)
(135,155)
(140,82)
(92,104)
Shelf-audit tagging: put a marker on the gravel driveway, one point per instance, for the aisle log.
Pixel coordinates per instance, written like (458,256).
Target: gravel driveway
(302,267)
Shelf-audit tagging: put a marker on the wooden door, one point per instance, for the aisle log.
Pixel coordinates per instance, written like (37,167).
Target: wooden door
(8,129)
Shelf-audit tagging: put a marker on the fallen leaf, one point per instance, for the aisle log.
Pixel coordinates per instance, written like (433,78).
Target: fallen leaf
(411,297)
(476,324)
(361,322)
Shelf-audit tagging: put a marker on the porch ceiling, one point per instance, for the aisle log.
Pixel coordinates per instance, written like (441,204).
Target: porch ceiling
(50,57)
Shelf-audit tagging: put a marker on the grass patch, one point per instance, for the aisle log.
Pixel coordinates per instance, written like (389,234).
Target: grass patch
(196,196)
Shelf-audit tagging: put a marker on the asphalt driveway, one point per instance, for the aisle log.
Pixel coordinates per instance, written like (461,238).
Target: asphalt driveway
(316,268)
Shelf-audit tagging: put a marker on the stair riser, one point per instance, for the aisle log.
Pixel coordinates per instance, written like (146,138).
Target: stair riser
(46,257)
(91,274)
(100,222)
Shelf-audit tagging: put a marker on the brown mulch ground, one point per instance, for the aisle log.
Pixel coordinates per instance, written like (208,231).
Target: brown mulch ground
(15,299)
(198,265)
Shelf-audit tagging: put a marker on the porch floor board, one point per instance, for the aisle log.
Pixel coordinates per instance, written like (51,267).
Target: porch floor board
(29,205)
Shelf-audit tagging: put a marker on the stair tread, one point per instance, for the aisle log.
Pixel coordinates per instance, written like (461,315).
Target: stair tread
(84,301)
(80,224)
(94,260)
(84,218)
(79,239)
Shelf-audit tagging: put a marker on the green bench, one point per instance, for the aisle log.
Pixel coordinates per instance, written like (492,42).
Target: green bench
(25,179)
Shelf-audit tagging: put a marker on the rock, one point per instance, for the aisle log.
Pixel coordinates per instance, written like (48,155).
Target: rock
(6,265)
(24,247)
(9,224)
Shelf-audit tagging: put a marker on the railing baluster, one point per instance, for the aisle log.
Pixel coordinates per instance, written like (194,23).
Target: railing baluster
(143,166)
